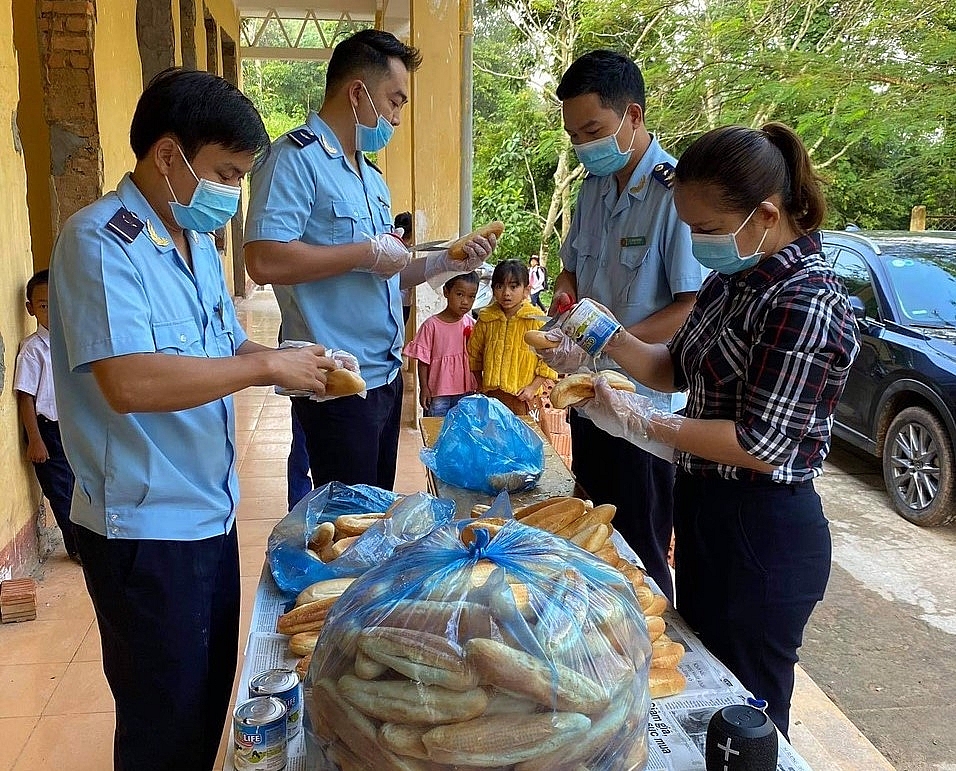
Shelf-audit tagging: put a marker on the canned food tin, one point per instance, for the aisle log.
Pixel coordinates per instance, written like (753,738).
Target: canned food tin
(259,734)
(589,326)
(283,684)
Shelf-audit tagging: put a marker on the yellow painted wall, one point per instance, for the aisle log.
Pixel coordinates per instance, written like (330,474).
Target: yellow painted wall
(436,118)
(119,82)
(34,132)
(19,501)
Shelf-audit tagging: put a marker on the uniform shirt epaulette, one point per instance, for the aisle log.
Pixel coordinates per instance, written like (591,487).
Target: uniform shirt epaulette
(126,225)
(372,164)
(303,137)
(664,173)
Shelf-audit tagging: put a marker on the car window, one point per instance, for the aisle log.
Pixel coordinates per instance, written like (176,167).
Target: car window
(925,288)
(854,273)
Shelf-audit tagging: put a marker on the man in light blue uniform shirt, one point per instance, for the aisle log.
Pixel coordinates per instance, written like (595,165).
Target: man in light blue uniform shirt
(146,351)
(319,229)
(628,250)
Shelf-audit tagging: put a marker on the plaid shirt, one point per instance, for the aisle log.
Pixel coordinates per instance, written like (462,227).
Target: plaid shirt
(769,349)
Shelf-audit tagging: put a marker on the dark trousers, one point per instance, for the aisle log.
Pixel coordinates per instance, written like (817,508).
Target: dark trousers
(56,480)
(297,466)
(753,560)
(353,440)
(641,485)
(168,615)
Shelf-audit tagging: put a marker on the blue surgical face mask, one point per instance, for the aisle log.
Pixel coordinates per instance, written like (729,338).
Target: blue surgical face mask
(212,205)
(602,157)
(720,252)
(371,139)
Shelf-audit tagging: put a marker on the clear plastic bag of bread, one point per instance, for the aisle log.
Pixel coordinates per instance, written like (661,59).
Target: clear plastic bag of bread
(518,651)
(363,525)
(484,446)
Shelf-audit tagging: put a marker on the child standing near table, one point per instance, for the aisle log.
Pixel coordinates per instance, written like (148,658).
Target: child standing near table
(503,363)
(440,348)
(33,384)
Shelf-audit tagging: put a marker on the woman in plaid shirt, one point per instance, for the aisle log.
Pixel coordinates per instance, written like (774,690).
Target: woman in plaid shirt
(764,357)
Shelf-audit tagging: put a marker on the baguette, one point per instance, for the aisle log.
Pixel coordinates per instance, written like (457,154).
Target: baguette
(402,701)
(556,516)
(500,740)
(303,643)
(302,668)
(539,340)
(655,627)
(457,250)
(666,653)
(322,537)
(403,739)
(367,668)
(665,682)
(595,741)
(343,382)
(331,587)
(579,387)
(524,511)
(527,676)
(460,620)
(355,524)
(422,657)
(355,730)
(305,618)
(591,538)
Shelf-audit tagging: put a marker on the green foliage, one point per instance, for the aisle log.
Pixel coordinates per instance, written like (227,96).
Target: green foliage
(870,85)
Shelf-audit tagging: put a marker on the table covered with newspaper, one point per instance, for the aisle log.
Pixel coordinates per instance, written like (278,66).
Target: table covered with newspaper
(677,725)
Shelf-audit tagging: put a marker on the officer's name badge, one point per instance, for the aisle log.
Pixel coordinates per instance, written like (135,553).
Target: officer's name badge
(634,241)
(155,237)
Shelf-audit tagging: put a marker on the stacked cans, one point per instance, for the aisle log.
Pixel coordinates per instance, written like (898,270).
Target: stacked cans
(265,723)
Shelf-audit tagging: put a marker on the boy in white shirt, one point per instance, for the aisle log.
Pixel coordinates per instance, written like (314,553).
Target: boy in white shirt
(33,383)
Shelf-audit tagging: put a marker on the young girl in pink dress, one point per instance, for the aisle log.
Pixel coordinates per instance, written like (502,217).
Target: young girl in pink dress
(441,349)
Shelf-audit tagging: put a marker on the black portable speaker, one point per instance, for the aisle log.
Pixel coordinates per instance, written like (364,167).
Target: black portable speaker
(741,738)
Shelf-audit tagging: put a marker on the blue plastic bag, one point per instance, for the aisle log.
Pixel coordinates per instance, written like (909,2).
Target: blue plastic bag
(524,598)
(484,446)
(294,568)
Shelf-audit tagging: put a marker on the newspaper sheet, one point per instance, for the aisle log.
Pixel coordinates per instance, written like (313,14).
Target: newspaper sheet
(677,725)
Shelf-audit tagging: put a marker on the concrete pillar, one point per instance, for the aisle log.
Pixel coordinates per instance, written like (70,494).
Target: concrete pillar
(65,29)
(155,34)
(918,218)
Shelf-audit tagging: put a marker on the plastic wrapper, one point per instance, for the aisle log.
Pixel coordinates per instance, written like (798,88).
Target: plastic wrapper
(345,359)
(484,446)
(522,652)
(294,568)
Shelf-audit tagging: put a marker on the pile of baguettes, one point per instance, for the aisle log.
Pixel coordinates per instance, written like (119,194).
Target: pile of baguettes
(411,698)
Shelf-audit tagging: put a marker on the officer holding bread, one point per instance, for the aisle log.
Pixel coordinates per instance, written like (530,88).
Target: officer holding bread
(146,353)
(628,250)
(319,229)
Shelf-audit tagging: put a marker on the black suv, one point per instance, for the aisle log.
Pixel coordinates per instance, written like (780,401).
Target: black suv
(900,398)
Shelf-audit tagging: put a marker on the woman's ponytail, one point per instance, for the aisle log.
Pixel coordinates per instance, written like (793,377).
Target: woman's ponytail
(806,203)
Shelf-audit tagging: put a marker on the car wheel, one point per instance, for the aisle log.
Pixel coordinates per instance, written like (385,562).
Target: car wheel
(918,468)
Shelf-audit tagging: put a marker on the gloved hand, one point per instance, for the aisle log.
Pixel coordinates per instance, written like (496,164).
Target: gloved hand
(569,357)
(439,267)
(629,416)
(389,255)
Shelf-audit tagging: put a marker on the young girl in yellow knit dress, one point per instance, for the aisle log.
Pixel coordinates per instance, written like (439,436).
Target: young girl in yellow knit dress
(503,363)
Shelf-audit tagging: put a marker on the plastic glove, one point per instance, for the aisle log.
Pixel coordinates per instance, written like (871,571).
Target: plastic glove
(389,255)
(629,416)
(343,359)
(439,267)
(569,357)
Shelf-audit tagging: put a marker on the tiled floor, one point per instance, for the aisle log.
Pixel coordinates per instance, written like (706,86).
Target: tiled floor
(56,711)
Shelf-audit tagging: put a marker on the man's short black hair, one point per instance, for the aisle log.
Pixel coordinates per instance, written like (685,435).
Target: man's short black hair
(40,278)
(366,55)
(199,109)
(612,76)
